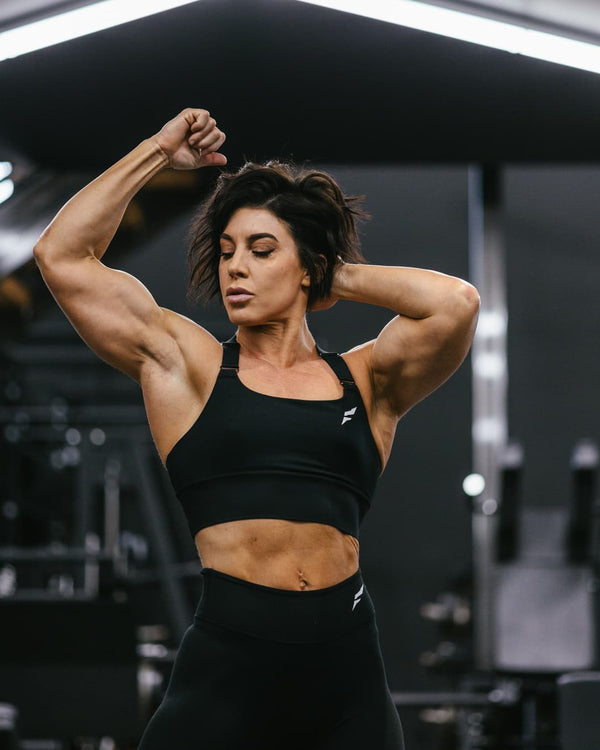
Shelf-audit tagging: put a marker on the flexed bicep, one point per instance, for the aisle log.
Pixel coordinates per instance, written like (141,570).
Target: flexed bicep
(112,311)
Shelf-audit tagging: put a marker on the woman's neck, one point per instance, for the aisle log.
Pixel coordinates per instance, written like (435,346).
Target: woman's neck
(280,344)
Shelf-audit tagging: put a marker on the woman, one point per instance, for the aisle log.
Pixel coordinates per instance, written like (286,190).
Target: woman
(273,446)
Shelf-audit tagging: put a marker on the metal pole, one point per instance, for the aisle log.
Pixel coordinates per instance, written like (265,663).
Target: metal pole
(490,382)
(83,519)
(112,510)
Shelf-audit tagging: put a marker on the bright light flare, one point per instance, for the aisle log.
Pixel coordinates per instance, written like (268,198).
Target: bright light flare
(473,485)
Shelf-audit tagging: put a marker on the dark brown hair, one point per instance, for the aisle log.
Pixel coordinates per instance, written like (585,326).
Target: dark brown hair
(321,219)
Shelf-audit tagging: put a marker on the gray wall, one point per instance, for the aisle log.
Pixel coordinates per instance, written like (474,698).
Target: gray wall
(553,235)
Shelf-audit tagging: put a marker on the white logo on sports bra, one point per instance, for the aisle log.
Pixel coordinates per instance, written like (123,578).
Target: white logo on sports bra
(358,596)
(348,415)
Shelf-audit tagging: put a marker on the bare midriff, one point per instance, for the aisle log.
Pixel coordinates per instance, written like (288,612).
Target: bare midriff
(292,555)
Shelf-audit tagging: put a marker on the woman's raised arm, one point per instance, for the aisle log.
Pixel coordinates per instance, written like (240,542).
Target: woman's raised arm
(112,311)
(428,339)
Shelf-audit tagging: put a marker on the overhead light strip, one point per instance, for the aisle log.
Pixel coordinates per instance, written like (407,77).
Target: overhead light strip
(476,29)
(79,22)
(7,187)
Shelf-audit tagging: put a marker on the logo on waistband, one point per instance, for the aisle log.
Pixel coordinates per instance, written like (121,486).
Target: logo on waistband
(358,596)
(348,415)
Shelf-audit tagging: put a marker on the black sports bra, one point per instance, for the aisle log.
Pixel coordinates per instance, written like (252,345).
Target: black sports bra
(249,455)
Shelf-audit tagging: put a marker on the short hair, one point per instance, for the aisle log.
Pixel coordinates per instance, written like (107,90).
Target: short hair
(321,219)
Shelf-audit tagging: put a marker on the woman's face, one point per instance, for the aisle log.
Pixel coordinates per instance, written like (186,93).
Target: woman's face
(260,275)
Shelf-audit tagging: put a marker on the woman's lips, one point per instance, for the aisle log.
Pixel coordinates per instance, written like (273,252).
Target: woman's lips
(238,295)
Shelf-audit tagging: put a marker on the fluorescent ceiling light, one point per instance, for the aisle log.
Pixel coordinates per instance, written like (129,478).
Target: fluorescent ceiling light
(79,22)
(6,169)
(470,28)
(7,188)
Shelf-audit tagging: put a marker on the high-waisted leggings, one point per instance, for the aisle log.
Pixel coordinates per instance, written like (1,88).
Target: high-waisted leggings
(271,669)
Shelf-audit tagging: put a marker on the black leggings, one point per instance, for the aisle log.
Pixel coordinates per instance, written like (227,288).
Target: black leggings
(271,669)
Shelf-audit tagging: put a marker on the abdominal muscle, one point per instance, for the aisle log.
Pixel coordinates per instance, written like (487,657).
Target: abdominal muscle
(292,555)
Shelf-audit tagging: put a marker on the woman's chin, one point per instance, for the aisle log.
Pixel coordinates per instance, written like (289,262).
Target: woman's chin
(243,318)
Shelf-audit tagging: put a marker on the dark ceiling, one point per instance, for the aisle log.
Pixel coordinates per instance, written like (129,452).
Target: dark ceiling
(289,79)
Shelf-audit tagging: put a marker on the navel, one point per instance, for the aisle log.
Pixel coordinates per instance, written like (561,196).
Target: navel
(302,581)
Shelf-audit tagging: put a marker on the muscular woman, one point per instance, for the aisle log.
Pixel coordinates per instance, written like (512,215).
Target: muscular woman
(273,446)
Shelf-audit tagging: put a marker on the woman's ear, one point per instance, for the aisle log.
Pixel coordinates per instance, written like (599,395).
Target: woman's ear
(306,280)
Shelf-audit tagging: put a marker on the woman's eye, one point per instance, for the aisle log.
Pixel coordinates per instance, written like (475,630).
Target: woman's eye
(262,253)
(225,255)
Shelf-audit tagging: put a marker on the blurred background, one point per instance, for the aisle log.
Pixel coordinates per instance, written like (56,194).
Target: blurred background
(481,551)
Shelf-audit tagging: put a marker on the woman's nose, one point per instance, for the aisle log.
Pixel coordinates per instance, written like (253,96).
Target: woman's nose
(237,264)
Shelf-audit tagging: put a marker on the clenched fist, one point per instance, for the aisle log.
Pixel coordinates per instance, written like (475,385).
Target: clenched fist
(191,140)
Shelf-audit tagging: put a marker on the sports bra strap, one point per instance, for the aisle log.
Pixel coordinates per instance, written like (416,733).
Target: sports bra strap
(338,365)
(231,361)
(231,356)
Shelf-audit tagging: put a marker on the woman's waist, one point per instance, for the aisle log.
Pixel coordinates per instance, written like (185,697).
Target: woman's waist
(292,555)
(284,615)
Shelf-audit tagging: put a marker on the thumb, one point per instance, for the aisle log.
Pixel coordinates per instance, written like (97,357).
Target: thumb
(214,160)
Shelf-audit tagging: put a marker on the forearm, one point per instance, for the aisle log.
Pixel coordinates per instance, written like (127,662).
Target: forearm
(412,292)
(88,222)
